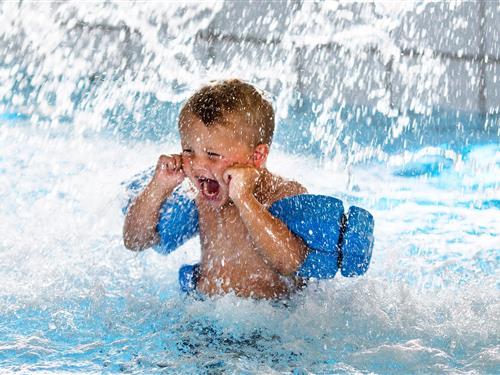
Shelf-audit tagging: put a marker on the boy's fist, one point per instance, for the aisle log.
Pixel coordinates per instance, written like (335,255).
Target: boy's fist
(241,181)
(168,172)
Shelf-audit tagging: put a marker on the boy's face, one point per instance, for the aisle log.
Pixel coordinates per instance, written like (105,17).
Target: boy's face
(208,151)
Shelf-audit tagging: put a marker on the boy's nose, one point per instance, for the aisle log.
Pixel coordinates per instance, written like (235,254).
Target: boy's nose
(188,161)
(196,160)
(201,171)
(196,164)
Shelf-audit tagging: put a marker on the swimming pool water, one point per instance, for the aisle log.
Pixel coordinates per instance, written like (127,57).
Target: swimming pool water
(72,299)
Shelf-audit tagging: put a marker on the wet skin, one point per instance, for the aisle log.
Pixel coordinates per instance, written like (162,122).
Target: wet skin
(222,155)
(244,249)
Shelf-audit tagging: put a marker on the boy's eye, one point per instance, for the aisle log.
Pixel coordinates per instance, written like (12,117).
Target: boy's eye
(213,155)
(187,151)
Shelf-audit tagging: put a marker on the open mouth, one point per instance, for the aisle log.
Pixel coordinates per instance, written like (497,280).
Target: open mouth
(209,187)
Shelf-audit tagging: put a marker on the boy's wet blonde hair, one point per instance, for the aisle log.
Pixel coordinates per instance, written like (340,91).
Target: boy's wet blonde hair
(213,102)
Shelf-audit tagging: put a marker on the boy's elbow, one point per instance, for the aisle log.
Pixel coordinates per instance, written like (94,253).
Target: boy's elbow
(289,267)
(286,271)
(134,243)
(130,244)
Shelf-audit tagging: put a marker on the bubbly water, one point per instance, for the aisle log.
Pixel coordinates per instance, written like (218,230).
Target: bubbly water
(89,97)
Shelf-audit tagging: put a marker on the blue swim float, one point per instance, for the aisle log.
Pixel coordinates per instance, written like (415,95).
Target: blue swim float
(336,240)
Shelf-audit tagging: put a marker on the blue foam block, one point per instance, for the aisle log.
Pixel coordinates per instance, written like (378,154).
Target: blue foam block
(357,242)
(178,222)
(188,277)
(317,220)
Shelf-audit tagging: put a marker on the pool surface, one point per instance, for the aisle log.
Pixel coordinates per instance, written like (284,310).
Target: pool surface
(72,299)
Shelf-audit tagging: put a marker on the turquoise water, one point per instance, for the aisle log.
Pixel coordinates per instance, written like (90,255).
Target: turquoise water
(72,299)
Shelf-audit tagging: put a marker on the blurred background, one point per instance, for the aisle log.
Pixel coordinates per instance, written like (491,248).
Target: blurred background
(131,64)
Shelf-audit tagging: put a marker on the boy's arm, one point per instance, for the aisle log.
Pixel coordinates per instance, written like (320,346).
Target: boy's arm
(283,250)
(139,230)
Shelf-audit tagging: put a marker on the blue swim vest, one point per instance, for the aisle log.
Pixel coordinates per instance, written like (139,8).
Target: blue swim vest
(335,239)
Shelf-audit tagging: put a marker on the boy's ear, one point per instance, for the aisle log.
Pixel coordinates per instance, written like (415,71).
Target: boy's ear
(259,156)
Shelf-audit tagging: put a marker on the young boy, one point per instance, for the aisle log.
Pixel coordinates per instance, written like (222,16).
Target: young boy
(226,130)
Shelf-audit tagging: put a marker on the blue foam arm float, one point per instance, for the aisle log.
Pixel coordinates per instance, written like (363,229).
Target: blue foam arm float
(317,220)
(335,240)
(178,222)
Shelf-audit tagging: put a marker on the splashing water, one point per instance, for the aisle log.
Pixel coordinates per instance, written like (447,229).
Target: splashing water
(89,96)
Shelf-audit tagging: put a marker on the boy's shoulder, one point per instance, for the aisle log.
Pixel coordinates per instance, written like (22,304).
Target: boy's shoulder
(280,188)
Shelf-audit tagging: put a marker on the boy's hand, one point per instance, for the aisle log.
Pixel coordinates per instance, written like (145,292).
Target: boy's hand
(168,172)
(241,180)
(139,230)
